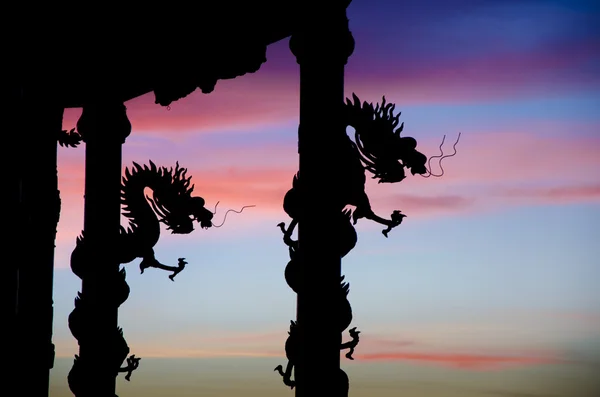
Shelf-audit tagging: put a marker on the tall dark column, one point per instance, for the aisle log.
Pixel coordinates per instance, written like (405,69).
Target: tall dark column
(38,212)
(322,45)
(11,222)
(94,322)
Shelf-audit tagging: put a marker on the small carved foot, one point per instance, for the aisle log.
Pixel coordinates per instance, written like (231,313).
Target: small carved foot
(133,363)
(144,264)
(287,234)
(180,266)
(354,334)
(281,225)
(286,377)
(152,262)
(396,219)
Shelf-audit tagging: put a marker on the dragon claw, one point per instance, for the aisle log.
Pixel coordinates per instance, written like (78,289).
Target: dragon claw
(354,334)
(286,378)
(143,266)
(133,363)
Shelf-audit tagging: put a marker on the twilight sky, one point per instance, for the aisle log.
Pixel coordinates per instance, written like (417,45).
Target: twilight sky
(497,263)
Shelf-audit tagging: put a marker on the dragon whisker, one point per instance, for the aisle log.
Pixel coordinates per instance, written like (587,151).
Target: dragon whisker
(230,210)
(441,156)
(435,157)
(214,212)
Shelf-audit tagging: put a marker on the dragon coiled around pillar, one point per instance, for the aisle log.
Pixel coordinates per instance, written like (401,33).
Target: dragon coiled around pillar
(379,148)
(171,203)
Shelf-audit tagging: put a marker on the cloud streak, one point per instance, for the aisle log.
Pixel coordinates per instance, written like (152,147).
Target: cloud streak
(271,95)
(556,195)
(476,362)
(243,103)
(484,76)
(369,350)
(491,170)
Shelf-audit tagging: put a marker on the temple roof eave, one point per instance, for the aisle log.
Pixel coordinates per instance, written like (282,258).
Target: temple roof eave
(77,60)
(169,81)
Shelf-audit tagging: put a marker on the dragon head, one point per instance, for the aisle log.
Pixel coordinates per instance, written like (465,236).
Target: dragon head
(383,151)
(181,217)
(200,213)
(174,204)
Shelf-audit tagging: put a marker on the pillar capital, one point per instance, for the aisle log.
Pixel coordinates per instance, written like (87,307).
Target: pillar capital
(104,121)
(324,35)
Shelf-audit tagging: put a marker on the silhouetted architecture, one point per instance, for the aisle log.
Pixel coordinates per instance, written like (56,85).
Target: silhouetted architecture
(324,312)
(97,63)
(104,288)
(97,60)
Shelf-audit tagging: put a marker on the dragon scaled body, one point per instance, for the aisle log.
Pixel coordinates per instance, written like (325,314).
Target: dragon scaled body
(379,148)
(69,138)
(150,195)
(171,203)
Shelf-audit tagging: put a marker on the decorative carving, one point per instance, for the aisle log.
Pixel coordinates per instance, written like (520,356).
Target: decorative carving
(171,203)
(379,148)
(70,138)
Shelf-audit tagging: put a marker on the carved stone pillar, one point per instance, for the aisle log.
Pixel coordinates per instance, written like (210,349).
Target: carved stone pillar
(322,45)
(94,322)
(11,249)
(33,190)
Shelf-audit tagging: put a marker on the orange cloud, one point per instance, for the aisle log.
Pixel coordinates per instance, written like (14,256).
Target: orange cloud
(204,349)
(463,361)
(214,343)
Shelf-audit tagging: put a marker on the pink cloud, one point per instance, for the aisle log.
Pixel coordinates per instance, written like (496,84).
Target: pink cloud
(457,360)
(433,205)
(233,186)
(561,194)
(271,95)
(488,169)
(243,103)
(374,348)
(566,317)
(376,343)
(519,156)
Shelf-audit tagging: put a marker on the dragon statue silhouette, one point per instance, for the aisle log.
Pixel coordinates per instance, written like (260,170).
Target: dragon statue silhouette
(379,148)
(170,203)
